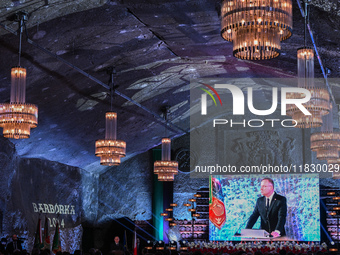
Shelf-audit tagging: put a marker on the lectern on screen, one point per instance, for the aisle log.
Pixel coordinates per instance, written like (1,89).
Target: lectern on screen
(232,200)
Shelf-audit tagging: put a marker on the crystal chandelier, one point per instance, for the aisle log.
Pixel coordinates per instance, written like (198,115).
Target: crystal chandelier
(327,142)
(318,105)
(17,117)
(334,161)
(110,150)
(335,164)
(255,27)
(165,168)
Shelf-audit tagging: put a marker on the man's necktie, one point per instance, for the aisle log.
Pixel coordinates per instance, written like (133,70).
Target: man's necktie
(267,205)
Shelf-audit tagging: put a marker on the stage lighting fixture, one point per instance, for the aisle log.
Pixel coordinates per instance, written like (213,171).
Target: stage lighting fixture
(149,245)
(159,245)
(173,245)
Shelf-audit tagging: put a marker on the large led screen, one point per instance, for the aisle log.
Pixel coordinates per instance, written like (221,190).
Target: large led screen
(233,200)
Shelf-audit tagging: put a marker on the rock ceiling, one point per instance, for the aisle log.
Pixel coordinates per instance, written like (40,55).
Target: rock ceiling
(156,47)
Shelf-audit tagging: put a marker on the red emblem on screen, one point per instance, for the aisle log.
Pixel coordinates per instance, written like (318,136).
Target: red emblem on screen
(217,213)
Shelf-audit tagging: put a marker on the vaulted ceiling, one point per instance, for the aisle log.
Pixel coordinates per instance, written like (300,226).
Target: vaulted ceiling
(156,48)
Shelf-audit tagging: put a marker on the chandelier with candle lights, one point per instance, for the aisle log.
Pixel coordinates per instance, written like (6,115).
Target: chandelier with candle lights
(318,105)
(17,117)
(334,166)
(110,150)
(326,143)
(166,168)
(256,27)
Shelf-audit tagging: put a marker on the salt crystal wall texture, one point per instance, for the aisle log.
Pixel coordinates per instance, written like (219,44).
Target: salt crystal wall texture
(35,188)
(98,199)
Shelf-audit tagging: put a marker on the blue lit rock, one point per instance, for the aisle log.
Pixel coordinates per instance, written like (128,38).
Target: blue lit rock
(126,190)
(38,188)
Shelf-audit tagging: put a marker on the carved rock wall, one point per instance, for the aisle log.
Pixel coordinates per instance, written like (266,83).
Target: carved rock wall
(35,188)
(126,190)
(329,6)
(184,185)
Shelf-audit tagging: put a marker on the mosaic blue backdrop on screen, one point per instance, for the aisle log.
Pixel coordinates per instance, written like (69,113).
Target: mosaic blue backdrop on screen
(239,195)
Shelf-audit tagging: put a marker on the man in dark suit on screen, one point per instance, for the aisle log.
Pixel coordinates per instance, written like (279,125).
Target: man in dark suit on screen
(272,208)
